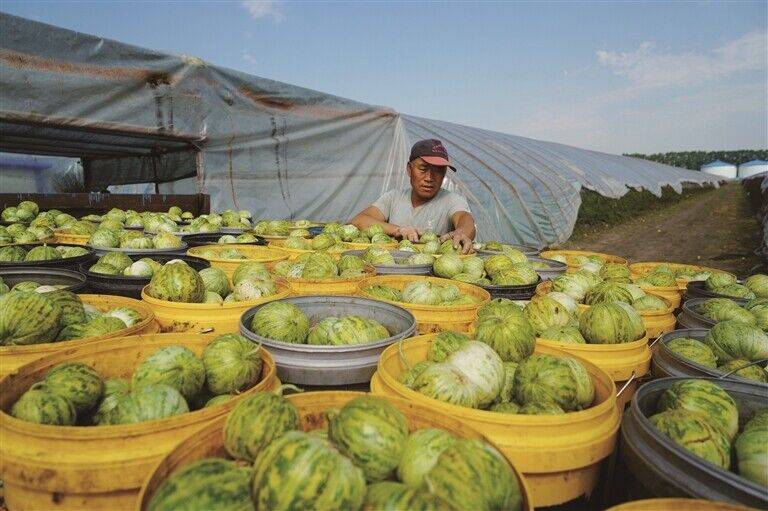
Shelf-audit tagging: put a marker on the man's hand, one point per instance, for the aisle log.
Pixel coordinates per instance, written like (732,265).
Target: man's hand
(408,233)
(460,240)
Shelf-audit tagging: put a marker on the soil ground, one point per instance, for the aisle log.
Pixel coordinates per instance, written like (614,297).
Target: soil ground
(716,228)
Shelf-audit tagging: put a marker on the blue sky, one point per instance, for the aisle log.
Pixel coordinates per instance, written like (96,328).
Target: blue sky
(610,76)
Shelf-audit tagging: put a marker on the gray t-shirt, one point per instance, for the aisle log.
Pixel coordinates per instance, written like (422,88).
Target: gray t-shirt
(433,216)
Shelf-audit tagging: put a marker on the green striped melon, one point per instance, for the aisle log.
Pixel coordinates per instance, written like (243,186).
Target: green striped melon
(705,397)
(42,253)
(76,331)
(232,363)
(420,453)
(251,269)
(79,383)
(28,318)
(507,393)
(392,496)
(473,476)
(13,254)
(561,380)
(217,400)
(177,283)
(114,389)
(147,403)
(175,366)
(72,311)
(304,471)
(26,286)
(42,406)
(256,421)
(695,433)
(204,485)
(371,432)
(102,325)
(508,407)
(752,454)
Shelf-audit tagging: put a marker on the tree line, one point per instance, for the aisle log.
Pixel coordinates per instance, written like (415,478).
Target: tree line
(695,159)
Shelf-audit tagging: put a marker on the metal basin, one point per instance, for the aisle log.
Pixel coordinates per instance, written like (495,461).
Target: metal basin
(305,364)
(661,468)
(665,363)
(75,281)
(689,318)
(400,269)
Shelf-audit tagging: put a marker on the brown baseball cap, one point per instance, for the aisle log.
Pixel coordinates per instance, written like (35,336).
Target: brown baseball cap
(431,151)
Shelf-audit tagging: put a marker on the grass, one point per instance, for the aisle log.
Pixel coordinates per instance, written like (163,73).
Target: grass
(598,212)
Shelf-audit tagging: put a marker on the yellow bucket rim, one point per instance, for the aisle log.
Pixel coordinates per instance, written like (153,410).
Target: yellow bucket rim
(469,288)
(283,292)
(370,271)
(147,314)
(276,254)
(504,418)
(124,430)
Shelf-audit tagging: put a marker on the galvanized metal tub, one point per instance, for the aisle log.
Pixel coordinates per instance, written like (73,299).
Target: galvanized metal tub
(698,289)
(406,269)
(554,268)
(305,364)
(525,249)
(75,281)
(525,292)
(665,363)
(660,468)
(689,318)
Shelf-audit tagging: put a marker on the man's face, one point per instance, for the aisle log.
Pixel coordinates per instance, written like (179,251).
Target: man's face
(426,179)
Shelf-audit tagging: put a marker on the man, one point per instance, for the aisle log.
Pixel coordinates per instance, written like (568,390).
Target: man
(425,206)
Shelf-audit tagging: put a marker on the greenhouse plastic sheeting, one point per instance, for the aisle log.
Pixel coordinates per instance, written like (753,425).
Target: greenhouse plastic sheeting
(283,151)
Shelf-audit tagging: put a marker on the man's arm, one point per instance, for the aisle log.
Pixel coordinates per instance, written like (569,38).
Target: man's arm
(372,215)
(463,231)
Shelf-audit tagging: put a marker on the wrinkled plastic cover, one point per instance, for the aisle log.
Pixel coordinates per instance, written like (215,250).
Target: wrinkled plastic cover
(283,151)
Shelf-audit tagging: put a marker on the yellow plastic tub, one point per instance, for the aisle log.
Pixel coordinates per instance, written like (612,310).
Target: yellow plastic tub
(205,317)
(337,286)
(265,255)
(71,239)
(433,318)
(545,287)
(671,294)
(678,505)
(293,253)
(559,455)
(643,269)
(656,323)
(96,467)
(13,357)
(570,254)
(659,322)
(312,406)
(621,362)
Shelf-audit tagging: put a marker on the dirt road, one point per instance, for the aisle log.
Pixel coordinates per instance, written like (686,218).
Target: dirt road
(715,229)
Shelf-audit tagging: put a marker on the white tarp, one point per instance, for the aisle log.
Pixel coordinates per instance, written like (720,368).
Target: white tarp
(283,151)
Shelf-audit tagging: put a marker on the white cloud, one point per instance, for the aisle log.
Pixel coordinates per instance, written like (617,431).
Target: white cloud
(259,9)
(666,100)
(649,67)
(249,58)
